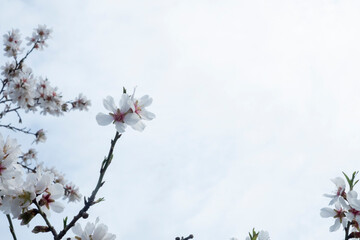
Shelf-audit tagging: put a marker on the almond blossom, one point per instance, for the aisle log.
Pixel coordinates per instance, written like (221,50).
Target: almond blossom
(339,193)
(39,37)
(12,43)
(9,152)
(338,213)
(72,193)
(92,232)
(138,106)
(120,116)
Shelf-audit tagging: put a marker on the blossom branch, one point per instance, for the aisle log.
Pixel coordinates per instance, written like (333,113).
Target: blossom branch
(4,82)
(33,170)
(91,200)
(43,215)
(11,227)
(24,130)
(18,65)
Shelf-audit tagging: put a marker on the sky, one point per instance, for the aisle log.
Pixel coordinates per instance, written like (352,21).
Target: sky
(256,103)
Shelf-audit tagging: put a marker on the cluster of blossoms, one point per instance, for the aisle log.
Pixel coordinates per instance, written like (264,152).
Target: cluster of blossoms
(26,91)
(346,210)
(92,232)
(39,37)
(131,111)
(12,42)
(27,191)
(21,193)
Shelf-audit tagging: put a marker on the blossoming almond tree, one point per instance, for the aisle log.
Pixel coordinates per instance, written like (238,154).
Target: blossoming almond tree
(29,189)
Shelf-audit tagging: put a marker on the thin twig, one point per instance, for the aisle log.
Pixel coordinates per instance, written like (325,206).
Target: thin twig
(52,229)
(33,170)
(11,110)
(11,227)
(18,65)
(24,130)
(7,100)
(91,200)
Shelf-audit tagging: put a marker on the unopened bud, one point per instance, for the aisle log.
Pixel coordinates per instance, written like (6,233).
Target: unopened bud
(38,229)
(64,107)
(85,215)
(27,216)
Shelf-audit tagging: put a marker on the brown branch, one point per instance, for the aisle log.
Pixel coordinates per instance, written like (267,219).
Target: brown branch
(11,227)
(52,229)
(91,200)
(23,130)
(18,65)
(33,170)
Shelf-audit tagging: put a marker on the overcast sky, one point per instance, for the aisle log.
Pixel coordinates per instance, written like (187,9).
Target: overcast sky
(257,106)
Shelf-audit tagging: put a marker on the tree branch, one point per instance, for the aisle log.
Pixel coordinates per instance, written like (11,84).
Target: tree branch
(52,229)
(11,227)
(24,130)
(91,200)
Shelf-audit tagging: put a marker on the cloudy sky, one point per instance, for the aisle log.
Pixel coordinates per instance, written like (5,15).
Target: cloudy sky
(257,106)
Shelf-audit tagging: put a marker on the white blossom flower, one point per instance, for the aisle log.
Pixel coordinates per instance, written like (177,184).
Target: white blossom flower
(29,155)
(40,136)
(338,213)
(339,193)
(18,197)
(48,98)
(12,43)
(58,177)
(72,193)
(81,103)
(49,197)
(9,152)
(39,37)
(92,232)
(8,70)
(138,107)
(21,89)
(121,116)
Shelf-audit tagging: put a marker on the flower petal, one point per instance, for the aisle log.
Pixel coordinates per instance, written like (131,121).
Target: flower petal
(336,225)
(109,104)
(145,101)
(104,119)
(57,207)
(147,115)
(77,230)
(100,231)
(120,127)
(124,103)
(327,212)
(139,126)
(131,118)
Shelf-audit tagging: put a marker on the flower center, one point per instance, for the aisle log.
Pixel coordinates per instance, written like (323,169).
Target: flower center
(118,116)
(137,108)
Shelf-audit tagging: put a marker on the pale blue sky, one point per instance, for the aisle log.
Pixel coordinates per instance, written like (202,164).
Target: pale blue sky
(257,107)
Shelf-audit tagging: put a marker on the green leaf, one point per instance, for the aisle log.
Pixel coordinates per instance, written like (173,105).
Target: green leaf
(347,178)
(65,222)
(356,182)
